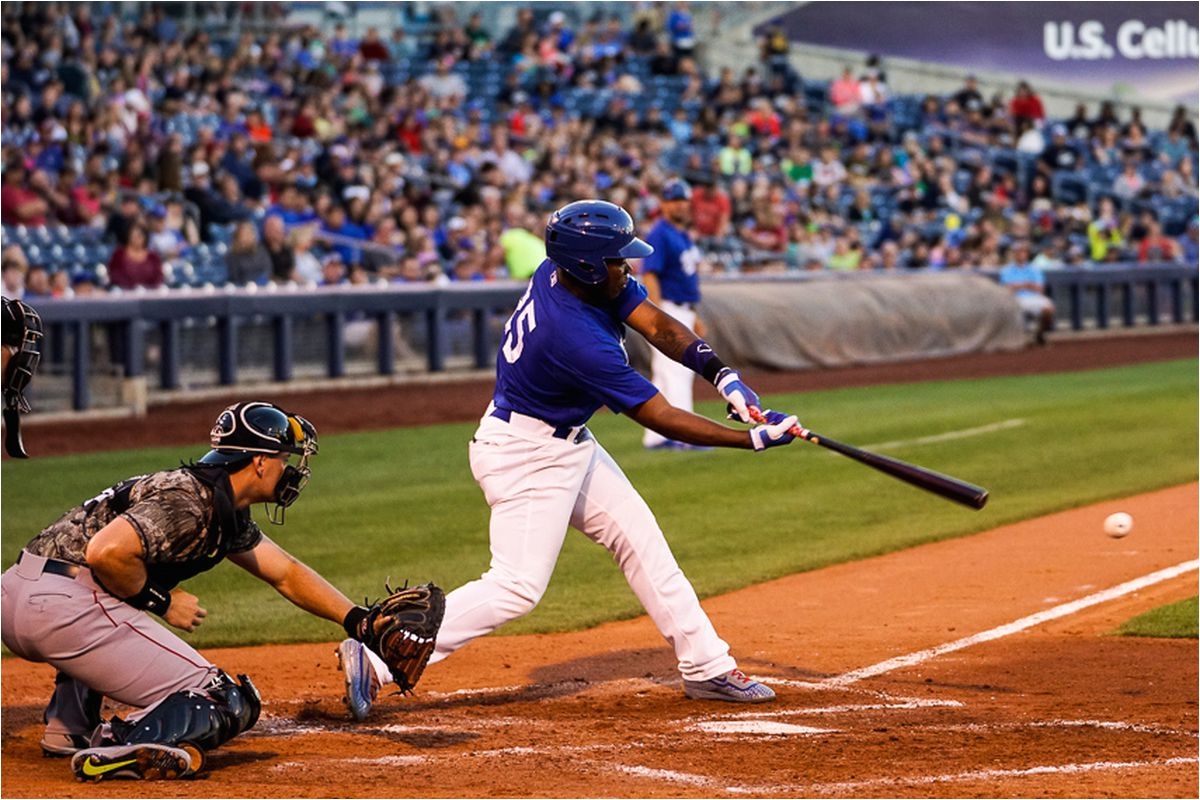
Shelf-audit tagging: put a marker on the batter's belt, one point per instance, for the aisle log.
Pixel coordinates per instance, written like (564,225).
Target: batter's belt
(523,422)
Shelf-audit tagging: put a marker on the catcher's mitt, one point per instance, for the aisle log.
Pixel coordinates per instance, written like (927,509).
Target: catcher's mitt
(402,628)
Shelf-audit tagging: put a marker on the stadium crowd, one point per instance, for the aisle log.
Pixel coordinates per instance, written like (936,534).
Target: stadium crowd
(140,153)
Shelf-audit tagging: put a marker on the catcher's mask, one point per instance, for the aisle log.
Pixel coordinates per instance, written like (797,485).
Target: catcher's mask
(245,430)
(22,331)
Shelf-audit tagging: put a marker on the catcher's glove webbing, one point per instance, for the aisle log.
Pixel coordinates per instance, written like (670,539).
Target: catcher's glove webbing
(402,628)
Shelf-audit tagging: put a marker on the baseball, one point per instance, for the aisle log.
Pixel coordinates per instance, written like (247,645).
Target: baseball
(1118,524)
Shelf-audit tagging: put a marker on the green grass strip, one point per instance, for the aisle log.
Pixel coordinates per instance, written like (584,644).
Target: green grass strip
(402,503)
(1177,621)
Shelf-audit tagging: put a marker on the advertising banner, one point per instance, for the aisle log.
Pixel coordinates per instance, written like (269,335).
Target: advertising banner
(1135,51)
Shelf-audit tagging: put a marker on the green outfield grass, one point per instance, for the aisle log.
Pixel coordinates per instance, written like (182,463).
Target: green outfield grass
(402,504)
(1177,621)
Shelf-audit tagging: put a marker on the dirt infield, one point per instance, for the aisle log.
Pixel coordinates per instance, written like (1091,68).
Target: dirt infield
(977,667)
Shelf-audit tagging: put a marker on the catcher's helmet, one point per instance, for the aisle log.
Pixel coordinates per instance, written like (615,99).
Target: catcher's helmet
(582,235)
(245,429)
(677,189)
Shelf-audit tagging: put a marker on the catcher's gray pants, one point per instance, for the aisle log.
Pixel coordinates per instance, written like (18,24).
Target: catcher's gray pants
(94,639)
(537,485)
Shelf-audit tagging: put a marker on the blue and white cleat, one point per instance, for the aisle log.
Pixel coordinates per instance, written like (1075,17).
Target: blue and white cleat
(362,684)
(732,687)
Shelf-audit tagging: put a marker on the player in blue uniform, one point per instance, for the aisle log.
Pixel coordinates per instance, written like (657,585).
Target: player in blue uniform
(671,275)
(540,469)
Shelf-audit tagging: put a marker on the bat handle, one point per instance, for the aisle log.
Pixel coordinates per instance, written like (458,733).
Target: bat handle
(797,430)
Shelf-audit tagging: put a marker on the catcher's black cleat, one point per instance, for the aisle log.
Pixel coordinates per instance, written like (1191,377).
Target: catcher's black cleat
(136,761)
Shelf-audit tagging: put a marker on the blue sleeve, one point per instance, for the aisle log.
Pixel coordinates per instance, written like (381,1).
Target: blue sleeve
(630,298)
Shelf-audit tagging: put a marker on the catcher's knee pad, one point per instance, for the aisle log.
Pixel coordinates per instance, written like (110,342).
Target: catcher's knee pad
(206,718)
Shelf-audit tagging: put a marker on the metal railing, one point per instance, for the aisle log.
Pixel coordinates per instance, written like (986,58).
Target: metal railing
(186,329)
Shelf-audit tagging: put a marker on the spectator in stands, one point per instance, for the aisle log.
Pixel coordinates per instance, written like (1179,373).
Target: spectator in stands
(37,283)
(133,264)
(84,283)
(248,260)
(968,97)
(333,270)
(20,201)
(520,244)
(1130,183)
(1028,283)
(372,48)
(307,269)
(845,93)
(166,241)
(1156,247)
(681,29)
(1188,242)
(13,268)
(1106,237)
(444,86)
(275,242)
(712,211)
(1059,154)
(1026,105)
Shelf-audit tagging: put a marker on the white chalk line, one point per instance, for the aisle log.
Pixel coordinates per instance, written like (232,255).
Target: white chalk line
(912,659)
(845,708)
(949,436)
(978,775)
(704,781)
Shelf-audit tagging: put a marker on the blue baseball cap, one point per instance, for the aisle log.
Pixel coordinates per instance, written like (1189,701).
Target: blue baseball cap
(677,189)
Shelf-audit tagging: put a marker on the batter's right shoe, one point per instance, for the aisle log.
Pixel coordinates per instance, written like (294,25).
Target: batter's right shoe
(362,684)
(732,687)
(152,762)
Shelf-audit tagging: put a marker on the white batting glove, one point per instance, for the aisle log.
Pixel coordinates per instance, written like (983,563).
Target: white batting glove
(740,397)
(777,428)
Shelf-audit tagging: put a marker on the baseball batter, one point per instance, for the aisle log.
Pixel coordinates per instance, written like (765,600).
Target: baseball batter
(562,358)
(672,278)
(79,594)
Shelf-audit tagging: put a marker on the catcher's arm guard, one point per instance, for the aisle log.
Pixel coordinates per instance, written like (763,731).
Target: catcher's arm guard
(402,629)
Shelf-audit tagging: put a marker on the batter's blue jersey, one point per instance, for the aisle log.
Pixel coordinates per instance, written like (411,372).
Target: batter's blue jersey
(561,359)
(676,261)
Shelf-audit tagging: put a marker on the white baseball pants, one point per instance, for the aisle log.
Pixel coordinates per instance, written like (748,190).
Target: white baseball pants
(536,486)
(673,379)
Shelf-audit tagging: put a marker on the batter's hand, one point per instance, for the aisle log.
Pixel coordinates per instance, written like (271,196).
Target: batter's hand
(743,402)
(184,612)
(777,428)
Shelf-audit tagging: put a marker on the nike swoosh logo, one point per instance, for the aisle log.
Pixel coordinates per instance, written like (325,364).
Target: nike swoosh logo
(92,770)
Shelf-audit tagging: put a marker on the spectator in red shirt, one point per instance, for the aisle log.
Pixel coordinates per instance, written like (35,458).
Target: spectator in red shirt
(19,203)
(134,264)
(1156,247)
(711,210)
(1026,105)
(372,48)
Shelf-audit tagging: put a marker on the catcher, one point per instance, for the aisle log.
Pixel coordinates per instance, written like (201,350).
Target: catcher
(22,328)
(112,561)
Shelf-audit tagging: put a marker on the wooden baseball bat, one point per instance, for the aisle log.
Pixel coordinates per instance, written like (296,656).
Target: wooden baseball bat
(968,494)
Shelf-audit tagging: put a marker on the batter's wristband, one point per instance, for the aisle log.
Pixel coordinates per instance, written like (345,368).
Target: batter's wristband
(353,622)
(152,598)
(700,359)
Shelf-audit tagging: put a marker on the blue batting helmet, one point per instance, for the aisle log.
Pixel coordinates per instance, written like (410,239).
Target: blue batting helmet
(582,235)
(677,189)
